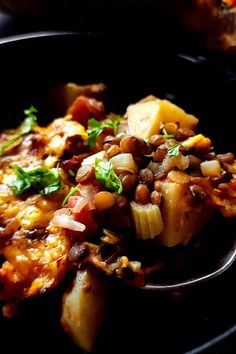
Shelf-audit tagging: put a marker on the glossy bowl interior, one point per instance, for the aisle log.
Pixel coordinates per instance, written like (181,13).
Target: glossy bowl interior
(131,67)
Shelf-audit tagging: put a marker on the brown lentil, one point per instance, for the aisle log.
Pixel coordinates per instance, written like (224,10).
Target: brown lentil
(198,192)
(121,200)
(112,140)
(210,156)
(156,198)
(85,174)
(106,146)
(133,145)
(228,158)
(171,128)
(221,178)
(142,194)
(112,151)
(230,168)
(146,176)
(104,200)
(138,160)
(184,133)
(100,139)
(160,154)
(157,140)
(194,162)
(128,181)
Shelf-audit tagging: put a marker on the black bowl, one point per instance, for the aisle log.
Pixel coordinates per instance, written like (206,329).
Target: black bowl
(199,319)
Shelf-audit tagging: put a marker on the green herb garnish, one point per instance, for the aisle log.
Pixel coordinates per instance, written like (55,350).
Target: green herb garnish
(166,135)
(27,125)
(38,178)
(72,191)
(106,175)
(96,128)
(173,150)
(71,173)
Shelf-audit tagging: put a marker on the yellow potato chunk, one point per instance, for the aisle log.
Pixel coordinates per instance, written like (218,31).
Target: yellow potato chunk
(197,141)
(83,308)
(145,117)
(182,218)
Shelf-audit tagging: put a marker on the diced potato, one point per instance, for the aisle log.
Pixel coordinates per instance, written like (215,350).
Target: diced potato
(146,117)
(84,307)
(181,218)
(210,168)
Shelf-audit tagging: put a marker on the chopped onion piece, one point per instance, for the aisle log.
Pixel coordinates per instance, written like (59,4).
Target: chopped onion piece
(210,168)
(91,159)
(80,204)
(66,221)
(124,161)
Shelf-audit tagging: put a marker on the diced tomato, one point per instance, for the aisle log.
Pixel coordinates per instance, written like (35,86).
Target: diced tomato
(85,216)
(83,108)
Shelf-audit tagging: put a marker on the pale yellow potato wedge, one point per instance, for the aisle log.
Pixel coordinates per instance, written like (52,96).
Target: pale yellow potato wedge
(84,307)
(181,218)
(147,220)
(145,117)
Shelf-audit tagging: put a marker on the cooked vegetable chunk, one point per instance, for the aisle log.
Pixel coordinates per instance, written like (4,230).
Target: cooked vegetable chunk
(83,308)
(182,219)
(146,117)
(147,219)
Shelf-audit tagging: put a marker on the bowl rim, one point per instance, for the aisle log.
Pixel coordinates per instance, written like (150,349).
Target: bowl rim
(213,342)
(40,34)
